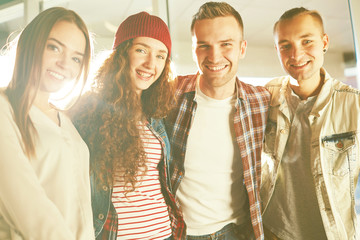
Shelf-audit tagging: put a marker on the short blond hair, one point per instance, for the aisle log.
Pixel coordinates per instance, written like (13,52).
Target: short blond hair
(212,10)
(291,13)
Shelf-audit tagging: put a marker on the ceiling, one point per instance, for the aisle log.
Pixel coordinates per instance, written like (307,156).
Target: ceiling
(103,17)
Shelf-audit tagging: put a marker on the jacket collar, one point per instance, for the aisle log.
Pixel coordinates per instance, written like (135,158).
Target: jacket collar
(324,94)
(321,101)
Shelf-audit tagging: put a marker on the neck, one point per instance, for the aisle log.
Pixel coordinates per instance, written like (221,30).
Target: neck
(41,101)
(309,87)
(218,92)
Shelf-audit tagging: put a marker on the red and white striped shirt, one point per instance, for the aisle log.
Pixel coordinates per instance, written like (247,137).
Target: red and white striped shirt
(143,213)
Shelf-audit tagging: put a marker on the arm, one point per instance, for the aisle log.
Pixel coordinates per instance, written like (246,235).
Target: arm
(24,204)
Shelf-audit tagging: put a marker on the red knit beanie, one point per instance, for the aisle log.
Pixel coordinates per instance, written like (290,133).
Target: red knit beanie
(143,25)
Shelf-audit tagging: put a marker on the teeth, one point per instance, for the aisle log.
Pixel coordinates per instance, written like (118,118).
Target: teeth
(300,65)
(56,75)
(216,68)
(143,74)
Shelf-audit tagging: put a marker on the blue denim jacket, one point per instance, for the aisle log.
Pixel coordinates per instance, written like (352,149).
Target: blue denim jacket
(101,192)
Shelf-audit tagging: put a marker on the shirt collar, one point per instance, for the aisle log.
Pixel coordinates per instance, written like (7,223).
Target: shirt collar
(240,93)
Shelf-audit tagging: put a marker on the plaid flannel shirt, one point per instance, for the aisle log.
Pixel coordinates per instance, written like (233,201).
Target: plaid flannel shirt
(250,122)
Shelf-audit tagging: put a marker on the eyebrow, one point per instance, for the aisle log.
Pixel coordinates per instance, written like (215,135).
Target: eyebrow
(63,45)
(147,46)
(301,37)
(221,41)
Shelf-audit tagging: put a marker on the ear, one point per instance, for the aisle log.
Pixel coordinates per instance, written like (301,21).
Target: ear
(193,48)
(243,45)
(325,40)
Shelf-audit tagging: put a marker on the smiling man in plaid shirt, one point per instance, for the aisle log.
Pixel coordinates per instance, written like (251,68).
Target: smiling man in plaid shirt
(216,131)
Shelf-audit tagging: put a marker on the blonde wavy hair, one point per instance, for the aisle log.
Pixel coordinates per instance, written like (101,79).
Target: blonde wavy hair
(107,117)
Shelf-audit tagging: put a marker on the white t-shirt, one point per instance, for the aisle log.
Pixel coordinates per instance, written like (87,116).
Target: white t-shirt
(47,197)
(212,193)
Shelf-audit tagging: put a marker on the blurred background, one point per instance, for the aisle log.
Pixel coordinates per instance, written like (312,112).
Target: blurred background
(261,62)
(341,20)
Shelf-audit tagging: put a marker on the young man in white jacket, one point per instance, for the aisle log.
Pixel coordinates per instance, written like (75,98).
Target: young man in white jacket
(311,156)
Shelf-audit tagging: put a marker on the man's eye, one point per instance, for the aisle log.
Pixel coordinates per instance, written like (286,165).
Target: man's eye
(285,47)
(203,46)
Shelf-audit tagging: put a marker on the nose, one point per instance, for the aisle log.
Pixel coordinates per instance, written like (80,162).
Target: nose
(63,60)
(150,61)
(214,54)
(297,52)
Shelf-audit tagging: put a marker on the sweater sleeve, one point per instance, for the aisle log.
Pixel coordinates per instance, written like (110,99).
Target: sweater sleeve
(25,209)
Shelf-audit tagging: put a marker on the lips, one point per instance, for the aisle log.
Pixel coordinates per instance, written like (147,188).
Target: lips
(299,65)
(144,75)
(56,75)
(216,68)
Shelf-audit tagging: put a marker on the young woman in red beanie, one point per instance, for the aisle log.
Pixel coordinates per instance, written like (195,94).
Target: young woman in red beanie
(120,120)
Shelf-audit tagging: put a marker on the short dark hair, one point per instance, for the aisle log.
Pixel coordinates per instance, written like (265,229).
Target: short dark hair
(291,13)
(212,10)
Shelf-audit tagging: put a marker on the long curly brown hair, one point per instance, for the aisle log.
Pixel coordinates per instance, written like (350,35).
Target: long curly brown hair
(107,117)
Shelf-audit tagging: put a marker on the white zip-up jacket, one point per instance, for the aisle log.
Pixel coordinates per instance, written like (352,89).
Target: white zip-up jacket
(335,151)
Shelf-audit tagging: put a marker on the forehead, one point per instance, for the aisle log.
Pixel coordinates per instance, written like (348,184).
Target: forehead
(69,35)
(149,42)
(298,26)
(218,28)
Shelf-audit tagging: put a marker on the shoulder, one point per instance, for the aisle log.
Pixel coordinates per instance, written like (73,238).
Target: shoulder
(344,88)
(251,88)
(276,87)
(86,114)
(185,83)
(344,92)
(276,83)
(5,106)
(84,107)
(3,98)
(253,93)
(185,78)
(7,122)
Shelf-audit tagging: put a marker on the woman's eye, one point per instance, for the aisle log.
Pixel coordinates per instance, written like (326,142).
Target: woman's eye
(160,56)
(140,50)
(53,47)
(77,60)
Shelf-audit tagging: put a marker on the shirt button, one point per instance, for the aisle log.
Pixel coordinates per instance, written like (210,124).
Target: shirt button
(101,216)
(105,188)
(339,144)
(282,131)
